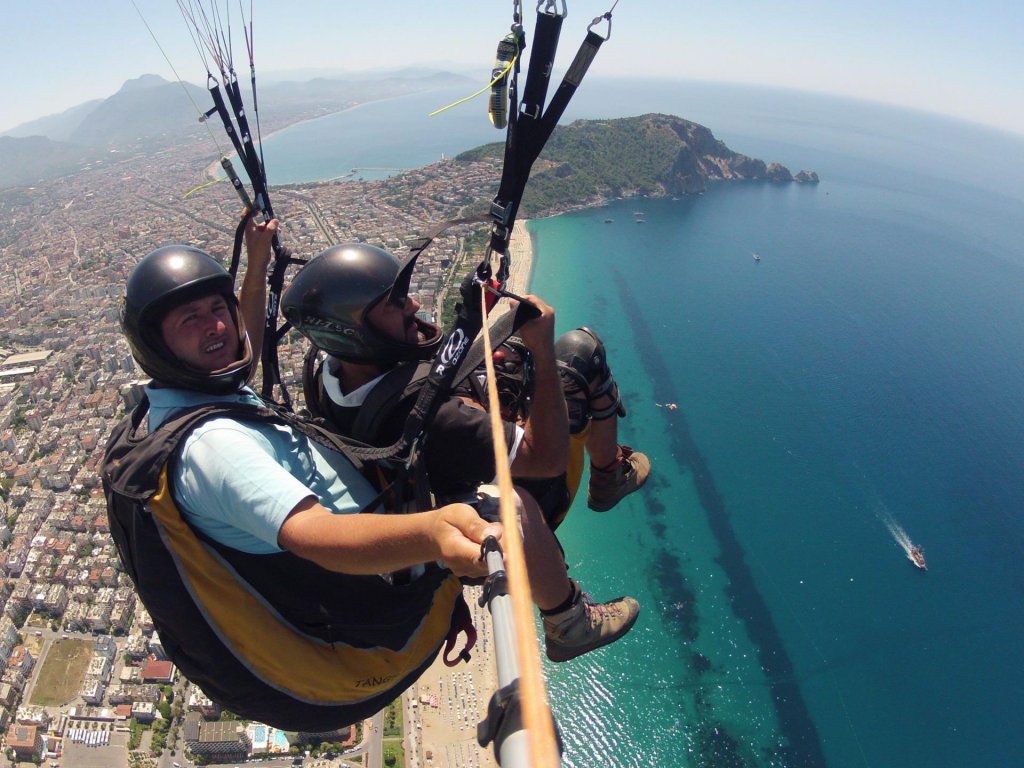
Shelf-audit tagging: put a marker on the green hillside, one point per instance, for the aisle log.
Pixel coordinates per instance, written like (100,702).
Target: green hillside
(652,154)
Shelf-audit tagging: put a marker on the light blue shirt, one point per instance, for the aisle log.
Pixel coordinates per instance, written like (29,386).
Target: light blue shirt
(238,481)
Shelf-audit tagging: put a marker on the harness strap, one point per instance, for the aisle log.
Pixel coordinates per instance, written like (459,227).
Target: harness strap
(570,82)
(272,334)
(542,61)
(236,248)
(462,622)
(531,125)
(252,160)
(222,111)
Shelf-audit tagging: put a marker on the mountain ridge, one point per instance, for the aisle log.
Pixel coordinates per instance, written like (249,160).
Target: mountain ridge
(149,114)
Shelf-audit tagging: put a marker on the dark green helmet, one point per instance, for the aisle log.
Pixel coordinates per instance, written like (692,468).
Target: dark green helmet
(330,297)
(166,278)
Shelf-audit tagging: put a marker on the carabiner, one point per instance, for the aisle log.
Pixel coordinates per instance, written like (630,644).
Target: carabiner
(551,8)
(606,15)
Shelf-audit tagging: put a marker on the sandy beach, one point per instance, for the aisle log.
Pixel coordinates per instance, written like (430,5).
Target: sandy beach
(520,250)
(443,708)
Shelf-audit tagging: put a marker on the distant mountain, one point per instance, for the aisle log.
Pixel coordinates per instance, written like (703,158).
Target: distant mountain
(651,155)
(57,127)
(30,160)
(147,110)
(149,113)
(142,83)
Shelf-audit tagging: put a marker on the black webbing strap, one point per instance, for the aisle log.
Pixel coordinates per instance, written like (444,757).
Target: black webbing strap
(531,125)
(242,142)
(222,111)
(468,322)
(251,159)
(272,335)
(236,247)
(570,82)
(542,61)
(500,330)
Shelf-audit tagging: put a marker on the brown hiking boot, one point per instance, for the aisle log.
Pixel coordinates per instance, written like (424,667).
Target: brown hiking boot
(587,625)
(610,485)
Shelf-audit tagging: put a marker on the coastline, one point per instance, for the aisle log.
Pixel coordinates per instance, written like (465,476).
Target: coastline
(443,707)
(520,248)
(211,172)
(520,251)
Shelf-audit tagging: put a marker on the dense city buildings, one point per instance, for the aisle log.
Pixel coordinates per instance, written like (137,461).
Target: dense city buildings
(66,377)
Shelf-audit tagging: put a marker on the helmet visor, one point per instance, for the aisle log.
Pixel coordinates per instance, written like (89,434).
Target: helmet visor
(399,291)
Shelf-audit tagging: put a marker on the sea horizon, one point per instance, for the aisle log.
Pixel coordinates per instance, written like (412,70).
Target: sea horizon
(856,387)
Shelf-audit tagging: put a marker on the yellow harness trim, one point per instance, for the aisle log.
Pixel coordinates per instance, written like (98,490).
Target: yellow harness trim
(308,669)
(575,464)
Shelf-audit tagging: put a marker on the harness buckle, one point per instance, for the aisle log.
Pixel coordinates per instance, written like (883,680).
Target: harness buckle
(526,111)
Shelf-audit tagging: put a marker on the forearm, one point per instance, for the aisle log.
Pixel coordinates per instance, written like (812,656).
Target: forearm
(361,544)
(545,447)
(371,544)
(252,300)
(259,239)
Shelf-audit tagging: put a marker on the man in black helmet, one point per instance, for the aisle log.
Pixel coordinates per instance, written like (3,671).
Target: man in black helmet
(250,501)
(352,302)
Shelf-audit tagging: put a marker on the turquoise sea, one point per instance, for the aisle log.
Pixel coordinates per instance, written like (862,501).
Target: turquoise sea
(865,378)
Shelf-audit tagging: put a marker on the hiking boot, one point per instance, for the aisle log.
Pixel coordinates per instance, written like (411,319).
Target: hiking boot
(610,485)
(587,625)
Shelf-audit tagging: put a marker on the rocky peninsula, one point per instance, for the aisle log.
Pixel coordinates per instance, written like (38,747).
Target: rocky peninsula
(589,161)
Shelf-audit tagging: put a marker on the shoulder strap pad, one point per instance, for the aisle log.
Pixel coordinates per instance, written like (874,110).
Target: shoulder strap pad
(398,385)
(137,478)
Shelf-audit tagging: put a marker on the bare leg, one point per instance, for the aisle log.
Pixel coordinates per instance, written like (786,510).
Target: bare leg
(603,443)
(549,581)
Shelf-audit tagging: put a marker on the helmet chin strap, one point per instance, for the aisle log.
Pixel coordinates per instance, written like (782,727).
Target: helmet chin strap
(244,358)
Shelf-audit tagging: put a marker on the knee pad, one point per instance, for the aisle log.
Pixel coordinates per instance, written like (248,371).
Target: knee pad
(583,366)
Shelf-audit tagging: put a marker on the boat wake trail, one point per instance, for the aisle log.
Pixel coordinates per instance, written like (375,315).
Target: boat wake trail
(895,530)
(914,553)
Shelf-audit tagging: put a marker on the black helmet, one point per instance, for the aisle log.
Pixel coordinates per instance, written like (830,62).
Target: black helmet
(168,277)
(330,297)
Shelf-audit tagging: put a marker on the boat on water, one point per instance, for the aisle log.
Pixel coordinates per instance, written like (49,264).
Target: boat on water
(916,555)
(757,256)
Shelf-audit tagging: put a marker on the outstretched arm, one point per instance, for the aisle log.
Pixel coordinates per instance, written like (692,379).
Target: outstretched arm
(252,298)
(370,544)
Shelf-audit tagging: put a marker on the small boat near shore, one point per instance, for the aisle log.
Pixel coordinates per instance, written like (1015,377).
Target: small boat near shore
(916,555)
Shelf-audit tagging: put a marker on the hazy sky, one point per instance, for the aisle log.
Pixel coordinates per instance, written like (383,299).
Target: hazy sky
(958,57)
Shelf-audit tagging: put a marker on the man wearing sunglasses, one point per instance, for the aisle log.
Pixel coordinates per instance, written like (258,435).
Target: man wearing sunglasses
(352,302)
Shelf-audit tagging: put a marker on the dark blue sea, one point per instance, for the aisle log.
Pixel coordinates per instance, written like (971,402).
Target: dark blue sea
(858,387)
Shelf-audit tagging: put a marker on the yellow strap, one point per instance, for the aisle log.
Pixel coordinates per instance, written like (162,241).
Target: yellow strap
(201,186)
(536,714)
(486,88)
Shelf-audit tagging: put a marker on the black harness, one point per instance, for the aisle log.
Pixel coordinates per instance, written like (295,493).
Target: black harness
(274,638)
